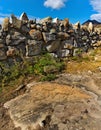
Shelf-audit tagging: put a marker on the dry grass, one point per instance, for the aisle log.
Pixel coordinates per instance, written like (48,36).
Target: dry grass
(79,67)
(85,63)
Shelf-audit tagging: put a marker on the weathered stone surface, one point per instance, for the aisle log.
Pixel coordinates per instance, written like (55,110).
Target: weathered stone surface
(48,37)
(54,46)
(16,22)
(25,29)
(16,33)
(46,103)
(68,44)
(64,53)
(15,39)
(33,48)
(35,34)
(63,36)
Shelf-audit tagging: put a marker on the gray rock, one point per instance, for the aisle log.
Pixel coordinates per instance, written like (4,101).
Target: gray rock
(17,35)
(33,48)
(16,22)
(64,53)
(54,46)
(48,37)
(68,44)
(15,42)
(24,29)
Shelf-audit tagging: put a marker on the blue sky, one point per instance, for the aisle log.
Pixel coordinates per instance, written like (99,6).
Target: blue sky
(75,10)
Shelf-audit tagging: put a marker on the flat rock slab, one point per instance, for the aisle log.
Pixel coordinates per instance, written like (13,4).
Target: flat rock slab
(52,106)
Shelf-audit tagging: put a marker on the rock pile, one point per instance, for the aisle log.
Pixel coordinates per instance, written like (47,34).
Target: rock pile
(58,37)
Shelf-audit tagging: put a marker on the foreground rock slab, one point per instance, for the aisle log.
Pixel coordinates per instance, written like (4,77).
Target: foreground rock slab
(53,106)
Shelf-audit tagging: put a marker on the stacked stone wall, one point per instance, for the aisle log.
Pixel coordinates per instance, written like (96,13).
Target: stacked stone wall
(28,38)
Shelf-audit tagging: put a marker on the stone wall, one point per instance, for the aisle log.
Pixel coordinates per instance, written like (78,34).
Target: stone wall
(27,38)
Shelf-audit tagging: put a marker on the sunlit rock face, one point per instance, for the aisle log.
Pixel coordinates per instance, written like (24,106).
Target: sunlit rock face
(21,35)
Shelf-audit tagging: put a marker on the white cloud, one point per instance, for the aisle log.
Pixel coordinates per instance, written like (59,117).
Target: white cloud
(96,17)
(55,4)
(96,4)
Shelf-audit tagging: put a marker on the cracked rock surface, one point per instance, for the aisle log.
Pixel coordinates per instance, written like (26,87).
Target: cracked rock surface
(72,102)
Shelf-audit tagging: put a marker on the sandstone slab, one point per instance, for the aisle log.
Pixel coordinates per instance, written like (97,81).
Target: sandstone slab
(46,102)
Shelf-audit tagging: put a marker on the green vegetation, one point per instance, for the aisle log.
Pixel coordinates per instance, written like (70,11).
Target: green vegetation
(44,67)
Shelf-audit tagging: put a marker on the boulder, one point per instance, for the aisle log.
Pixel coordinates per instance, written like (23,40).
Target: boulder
(24,29)
(33,48)
(35,34)
(48,37)
(15,39)
(17,35)
(54,46)
(16,22)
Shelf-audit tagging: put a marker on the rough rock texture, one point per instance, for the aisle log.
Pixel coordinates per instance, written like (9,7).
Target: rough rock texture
(58,105)
(54,36)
